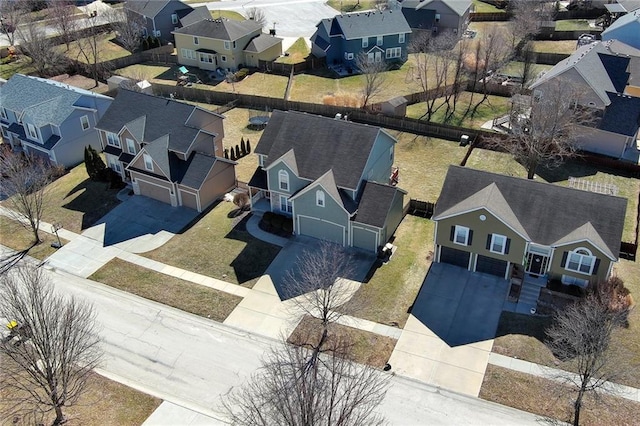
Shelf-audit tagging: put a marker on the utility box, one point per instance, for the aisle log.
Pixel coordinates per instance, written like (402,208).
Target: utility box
(464,140)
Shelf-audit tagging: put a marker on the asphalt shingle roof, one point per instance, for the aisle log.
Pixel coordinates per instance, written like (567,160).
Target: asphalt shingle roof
(548,213)
(220,29)
(262,43)
(375,203)
(197,14)
(148,8)
(458,6)
(42,101)
(622,115)
(197,168)
(369,24)
(319,144)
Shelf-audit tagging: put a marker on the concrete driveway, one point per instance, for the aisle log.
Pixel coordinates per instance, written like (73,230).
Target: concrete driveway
(449,335)
(137,225)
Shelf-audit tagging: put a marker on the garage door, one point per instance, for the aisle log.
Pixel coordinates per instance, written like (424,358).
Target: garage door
(365,239)
(492,266)
(321,229)
(454,257)
(154,191)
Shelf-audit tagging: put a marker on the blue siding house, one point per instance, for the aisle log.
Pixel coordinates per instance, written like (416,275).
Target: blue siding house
(332,181)
(382,36)
(625,29)
(49,119)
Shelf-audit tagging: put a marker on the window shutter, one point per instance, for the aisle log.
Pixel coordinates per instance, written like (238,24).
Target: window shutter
(595,267)
(506,247)
(470,237)
(564,259)
(453,233)
(488,241)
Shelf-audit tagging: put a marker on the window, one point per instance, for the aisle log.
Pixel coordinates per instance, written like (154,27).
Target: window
(498,244)
(114,165)
(285,204)
(157,33)
(348,55)
(365,42)
(379,40)
(195,40)
(148,162)
(394,52)
(401,38)
(227,45)
(580,261)
(33,134)
(84,121)
(113,140)
(188,53)
(320,198)
(437,17)
(569,280)
(131,146)
(206,58)
(261,159)
(283,180)
(3,113)
(223,58)
(461,235)
(391,154)
(174,19)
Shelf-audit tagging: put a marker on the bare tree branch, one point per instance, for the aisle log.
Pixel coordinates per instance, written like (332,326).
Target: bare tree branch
(54,351)
(257,14)
(128,27)
(374,76)
(12,14)
(63,18)
(34,43)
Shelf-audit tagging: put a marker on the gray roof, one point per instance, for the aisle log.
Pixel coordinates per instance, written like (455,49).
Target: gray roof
(42,101)
(458,6)
(587,61)
(196,170)
(150,118)
(372,23)
(548,213)
(262,43)
(375,203)
(197,14)
(631,19)
(151,8)
(220,29)
(319,144)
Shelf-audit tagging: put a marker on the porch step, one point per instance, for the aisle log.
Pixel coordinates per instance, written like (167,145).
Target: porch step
(529,294)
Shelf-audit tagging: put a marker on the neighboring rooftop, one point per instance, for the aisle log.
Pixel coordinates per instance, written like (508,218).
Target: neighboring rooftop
(367,24)
(220,29)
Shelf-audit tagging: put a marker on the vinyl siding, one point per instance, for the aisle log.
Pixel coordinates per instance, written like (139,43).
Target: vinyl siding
(305,205)
(295,183)
(557,270)
(378,167)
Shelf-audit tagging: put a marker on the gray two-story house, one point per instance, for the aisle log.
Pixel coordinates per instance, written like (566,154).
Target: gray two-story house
(331,176)
(49,119)
(382,36)
(435,16)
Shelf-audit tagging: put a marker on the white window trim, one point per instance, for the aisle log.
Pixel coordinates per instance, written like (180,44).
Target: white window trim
(85,117)
(284,201)
(174,18)
(580,261)
(570,280)
(148,162)
(116,139)
(131,149)
(115,165)
(3,113)
(461,229)
(348,55)
(320,198)
(494,240)
(227,45)
(365,42)
(261,160)
(401,38)
(223,58)
(379,40)
(393,52)
(283,180)
(32,131)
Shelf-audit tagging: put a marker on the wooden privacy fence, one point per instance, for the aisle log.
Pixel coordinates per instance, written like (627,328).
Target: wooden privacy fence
(420,208)
(628,251)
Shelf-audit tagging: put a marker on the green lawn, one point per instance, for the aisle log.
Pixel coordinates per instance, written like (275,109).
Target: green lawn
(21,65)
(573,25)
(143,71)
(351,5)
(297,53)
(258,84)
(217,246)
(515,68)
(187,296)
(482,7)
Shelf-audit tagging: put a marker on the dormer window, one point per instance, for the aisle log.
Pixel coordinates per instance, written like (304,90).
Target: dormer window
(283,180)
(131,146)
(33,134)
(148,162)
(84,122)
(320,198)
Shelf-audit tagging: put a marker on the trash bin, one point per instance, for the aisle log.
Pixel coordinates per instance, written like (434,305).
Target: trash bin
(464,140)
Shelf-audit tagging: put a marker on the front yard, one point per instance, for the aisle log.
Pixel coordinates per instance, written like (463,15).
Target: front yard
(218,246)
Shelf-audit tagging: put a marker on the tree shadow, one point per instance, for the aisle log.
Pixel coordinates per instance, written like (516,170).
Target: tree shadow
(95,200)
(526,325)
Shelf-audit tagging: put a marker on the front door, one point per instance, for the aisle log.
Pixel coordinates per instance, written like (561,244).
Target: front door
(536,264)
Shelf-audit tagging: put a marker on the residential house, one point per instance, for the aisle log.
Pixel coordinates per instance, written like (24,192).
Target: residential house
(607,76)
(169,150)
(491,223)
(625,29)
(161,17)
(223,43)
(382,36)
(50,119)
(331,176)
(437,16)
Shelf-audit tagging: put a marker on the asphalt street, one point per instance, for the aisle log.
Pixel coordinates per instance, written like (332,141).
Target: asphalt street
(191,361)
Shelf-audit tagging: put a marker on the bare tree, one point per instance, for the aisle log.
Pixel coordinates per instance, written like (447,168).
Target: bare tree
(44,57)
(128,27)
(63,18)
(55,350)
(25,180)
(580,336)
(528,16)
(257,14)
(12,13)
(89,51)
(545,133)
(374,76)
(296,387)
(380,5)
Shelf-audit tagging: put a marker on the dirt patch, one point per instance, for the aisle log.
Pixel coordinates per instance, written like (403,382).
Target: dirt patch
(82,82)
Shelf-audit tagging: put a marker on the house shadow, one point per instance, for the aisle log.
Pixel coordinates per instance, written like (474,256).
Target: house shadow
(94,201)
(459,306)
(525,325)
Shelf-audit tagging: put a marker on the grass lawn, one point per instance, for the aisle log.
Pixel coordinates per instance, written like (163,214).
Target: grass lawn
(551,46)
(390,292)
(76,202)
(482,7)
(235,127)
(143,71)
(258,84)
(187,296)
(494,106)
(104,402)
(17,237)
(515,68)
(573,25)
(547,398)
(351,5)
(106,46)
(21,65)
(297,53)
(367,348)
(219,247)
